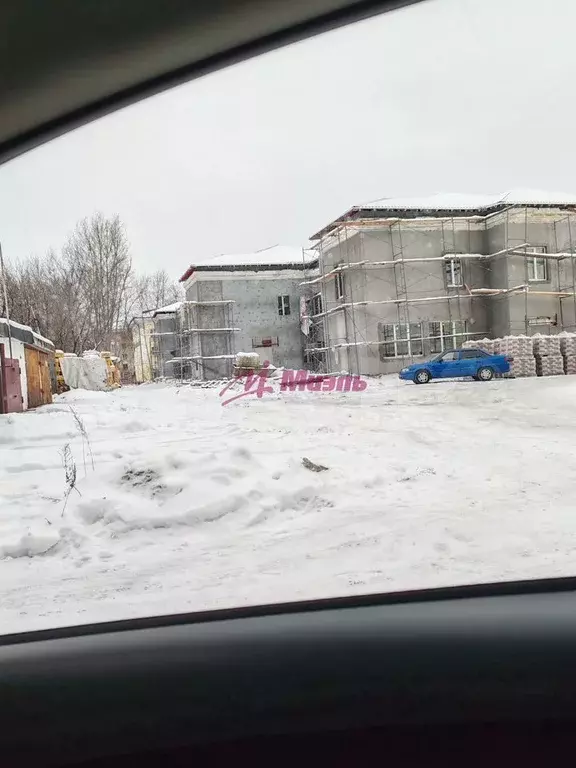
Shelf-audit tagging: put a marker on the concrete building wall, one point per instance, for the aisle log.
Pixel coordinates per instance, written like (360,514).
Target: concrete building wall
(364,323)
(551,229)
(499,314)
(497,277)
(192,291)
(254,312)
(166,344)
(565,236)
(515,313)
(207,345)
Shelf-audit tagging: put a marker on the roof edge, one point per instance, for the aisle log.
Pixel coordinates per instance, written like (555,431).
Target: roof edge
(272,267)
(360,211)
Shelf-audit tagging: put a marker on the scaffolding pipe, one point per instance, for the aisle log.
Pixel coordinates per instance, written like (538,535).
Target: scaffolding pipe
(209,303)
(572,260)
(201,357)
(421,260)
(210,330)
(526,273)
(325,326)
(398,341)
(477,292)
(386,301)
(352,317)
(536,254)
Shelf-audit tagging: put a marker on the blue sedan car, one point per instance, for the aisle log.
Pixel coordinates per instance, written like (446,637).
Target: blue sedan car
(456,363)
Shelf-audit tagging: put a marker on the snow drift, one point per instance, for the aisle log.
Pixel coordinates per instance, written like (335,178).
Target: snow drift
(192,506)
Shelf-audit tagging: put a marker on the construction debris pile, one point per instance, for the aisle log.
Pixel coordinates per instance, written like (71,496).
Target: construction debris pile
(537,355)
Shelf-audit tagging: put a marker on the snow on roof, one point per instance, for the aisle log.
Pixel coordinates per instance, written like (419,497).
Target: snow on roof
(14,324)
(168,308)
(537,197)
(479,204)
(28,329)
(42,338)
(472,202)
(275,255)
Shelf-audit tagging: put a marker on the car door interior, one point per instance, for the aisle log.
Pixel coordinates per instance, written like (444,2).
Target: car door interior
(70,62)
(417,675)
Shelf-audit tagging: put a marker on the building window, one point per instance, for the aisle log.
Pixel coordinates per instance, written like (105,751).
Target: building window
(446,335)
(453,271)
(400,339)
(283,305)
(317,304)
(339,284)
(537,268)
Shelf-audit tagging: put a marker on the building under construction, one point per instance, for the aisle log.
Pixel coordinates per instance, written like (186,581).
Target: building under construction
(400,278)
(239,303)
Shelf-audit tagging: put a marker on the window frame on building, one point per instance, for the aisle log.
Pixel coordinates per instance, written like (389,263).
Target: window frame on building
(450,272)
(284,305)
(532,261)
(339,285)
(317,304)
(446,337)
(395,344)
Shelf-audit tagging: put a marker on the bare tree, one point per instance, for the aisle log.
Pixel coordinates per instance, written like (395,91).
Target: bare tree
(97,253)
(160,290)
(80,297)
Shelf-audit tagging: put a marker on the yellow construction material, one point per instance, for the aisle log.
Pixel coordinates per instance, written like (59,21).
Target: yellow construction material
(61,385)
(113,375)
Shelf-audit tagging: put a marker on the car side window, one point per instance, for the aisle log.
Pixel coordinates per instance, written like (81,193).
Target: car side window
(449,357)
(470,354)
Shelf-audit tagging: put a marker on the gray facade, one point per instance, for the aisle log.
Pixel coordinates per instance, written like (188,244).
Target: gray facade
(240,309)
(165,343)
(399,297)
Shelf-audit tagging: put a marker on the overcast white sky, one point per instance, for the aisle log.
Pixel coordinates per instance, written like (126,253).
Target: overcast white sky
(448,95)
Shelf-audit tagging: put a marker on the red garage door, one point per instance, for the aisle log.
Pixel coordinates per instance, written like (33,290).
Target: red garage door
(10,388)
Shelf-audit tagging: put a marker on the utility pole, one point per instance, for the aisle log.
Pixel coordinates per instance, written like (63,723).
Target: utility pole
(6,307)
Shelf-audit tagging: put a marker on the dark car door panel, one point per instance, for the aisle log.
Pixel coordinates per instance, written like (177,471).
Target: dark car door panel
(497,653)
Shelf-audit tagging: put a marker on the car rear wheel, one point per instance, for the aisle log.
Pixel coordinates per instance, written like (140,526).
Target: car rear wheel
(421,377)
(485,374)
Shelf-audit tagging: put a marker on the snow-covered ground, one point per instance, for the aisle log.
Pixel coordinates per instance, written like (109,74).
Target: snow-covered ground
(192,505)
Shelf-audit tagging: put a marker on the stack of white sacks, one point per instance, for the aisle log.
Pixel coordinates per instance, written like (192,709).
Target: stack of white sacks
(533,355)
(517,347)
(486,344)
(549,361)
(520,349)
(568,351)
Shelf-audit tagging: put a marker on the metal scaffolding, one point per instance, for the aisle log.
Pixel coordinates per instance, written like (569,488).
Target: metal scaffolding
(204,335)
(342,296)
